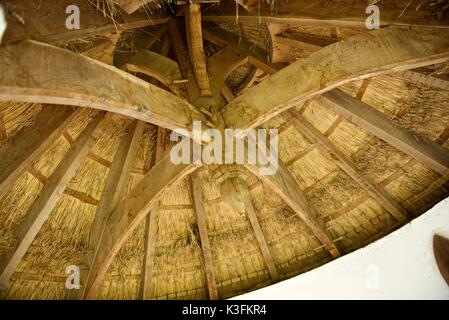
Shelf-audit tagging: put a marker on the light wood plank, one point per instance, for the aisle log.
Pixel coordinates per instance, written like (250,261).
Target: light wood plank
(197,198)
(378,53)
(335,155)
(31,142)
(425,151)
(41,208)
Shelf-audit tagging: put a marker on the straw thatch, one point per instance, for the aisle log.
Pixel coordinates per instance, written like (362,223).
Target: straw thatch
(351,215)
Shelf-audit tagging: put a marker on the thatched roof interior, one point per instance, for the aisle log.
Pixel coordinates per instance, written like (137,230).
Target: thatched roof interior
(352,216)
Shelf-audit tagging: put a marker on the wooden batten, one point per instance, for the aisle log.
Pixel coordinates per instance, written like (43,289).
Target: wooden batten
(31,142)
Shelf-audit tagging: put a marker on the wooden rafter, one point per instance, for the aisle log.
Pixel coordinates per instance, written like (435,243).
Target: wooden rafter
(151,229)
(115,187)
(252,217)
(45,21)
(129,213)
(31,142)
(117,180)
(282,183)
(285,186)
(86,82)
(346,13)
(334,65)
(197,198)
(181,52)
(427,152)
(420,76)
(327,147)
(41,208)
(194,33)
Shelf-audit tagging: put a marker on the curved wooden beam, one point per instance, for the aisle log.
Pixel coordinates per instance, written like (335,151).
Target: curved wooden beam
(39,73)
(359,57)
(129,212)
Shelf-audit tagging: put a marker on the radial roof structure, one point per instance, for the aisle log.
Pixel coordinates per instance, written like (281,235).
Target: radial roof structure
(87,184)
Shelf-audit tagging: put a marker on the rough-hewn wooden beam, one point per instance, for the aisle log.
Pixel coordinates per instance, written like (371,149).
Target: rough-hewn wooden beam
(36,72)
(377,52)
(41,208)
(161,68)
(419,76)
(326,146)
(151,228)
(347,13)
(425,151)
(182,56)
(31,142)
(285,186)
(129,213)
(197,198)
(195,43)
(46,21)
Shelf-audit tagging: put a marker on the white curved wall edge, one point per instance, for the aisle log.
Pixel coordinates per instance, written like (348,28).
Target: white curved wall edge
(398,266)
(2,23)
